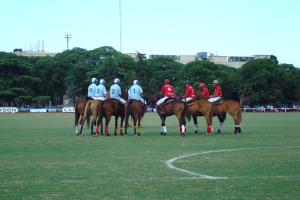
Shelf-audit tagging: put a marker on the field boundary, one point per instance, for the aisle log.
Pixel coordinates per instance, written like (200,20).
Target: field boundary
(194,175)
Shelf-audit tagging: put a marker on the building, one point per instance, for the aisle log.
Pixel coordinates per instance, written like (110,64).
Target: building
(34,53)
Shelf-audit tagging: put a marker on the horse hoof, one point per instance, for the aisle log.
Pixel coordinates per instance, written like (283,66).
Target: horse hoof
(219,131)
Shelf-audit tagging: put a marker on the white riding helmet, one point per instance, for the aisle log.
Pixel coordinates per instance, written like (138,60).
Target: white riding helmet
(102,81)
(94,80)
(135,82)
(215,82)
(116,80)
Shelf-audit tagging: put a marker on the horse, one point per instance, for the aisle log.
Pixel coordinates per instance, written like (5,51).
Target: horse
(113,107)
(136,110)
(93,107)
(220,110)
(201,107)
(234,109)
(79,113)
(174,106)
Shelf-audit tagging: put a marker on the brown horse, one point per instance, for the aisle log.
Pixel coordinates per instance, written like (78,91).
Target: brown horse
(174,107)
(79,113)
(136,110)
(113,107)
(220,110)
(203,108)
(231,107)
(93,107)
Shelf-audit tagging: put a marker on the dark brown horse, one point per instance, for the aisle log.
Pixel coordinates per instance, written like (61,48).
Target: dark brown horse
(113,107)
(79,113)
(174,107)
(136,110)
(93,107)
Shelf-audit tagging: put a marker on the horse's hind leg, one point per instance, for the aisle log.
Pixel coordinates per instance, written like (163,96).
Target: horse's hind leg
(237,122)
(139,126)
(163,128)
(107,119)
(182,123)
(121,125)
(208,119)
(221,118)
(116,125)
(195,124)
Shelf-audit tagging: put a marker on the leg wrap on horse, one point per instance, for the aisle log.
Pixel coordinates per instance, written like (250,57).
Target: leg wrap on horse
(209,130)
(182,129)
(237,129)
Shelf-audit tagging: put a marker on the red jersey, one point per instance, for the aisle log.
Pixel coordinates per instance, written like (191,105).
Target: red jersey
(168,90)
(189,91)
(217,91)
(205,92)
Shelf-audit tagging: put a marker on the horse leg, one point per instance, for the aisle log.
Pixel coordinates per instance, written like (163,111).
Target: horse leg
(182,122)
(195,124)
(221,117)
(116,125)
(139,128)
(208,119)
(237,122)
(134,124)
(107,119)
(121,125)
(80,124)
(163,128)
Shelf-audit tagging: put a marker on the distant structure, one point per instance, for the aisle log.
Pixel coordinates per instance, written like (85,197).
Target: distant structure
(232,61)
(68,36)
(20,52)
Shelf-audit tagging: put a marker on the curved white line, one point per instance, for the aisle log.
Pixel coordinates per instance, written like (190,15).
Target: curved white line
(170,162)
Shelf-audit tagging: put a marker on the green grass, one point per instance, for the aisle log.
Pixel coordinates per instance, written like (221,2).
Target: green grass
(41,158)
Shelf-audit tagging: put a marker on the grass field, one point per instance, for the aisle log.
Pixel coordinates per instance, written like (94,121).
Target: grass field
(41,158)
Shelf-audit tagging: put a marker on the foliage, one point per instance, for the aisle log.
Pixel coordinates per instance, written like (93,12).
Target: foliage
(24,79)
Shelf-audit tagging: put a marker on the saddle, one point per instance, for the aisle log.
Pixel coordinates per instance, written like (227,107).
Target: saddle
(168,100)
(215,100)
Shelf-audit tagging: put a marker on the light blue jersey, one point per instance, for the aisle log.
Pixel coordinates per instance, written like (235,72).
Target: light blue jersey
(100,91)
(92,90)
(115,91)
(135,92)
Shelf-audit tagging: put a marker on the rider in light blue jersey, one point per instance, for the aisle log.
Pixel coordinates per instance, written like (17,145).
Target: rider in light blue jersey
(115,91)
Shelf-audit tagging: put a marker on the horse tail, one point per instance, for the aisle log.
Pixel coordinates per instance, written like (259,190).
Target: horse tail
(128,110)
(239,114)
(77,115)
(86,111)
(187,112)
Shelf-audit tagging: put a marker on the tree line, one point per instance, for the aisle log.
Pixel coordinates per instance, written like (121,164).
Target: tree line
(40,80)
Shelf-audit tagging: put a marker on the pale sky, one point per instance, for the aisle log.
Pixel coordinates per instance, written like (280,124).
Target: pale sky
(180,27)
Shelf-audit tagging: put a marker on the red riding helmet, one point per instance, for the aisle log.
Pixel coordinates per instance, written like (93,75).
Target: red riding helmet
(167,81)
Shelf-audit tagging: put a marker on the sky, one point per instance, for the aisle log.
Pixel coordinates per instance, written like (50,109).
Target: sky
(172,27)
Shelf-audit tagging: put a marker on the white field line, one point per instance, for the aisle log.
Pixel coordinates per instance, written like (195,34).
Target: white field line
(195,175)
